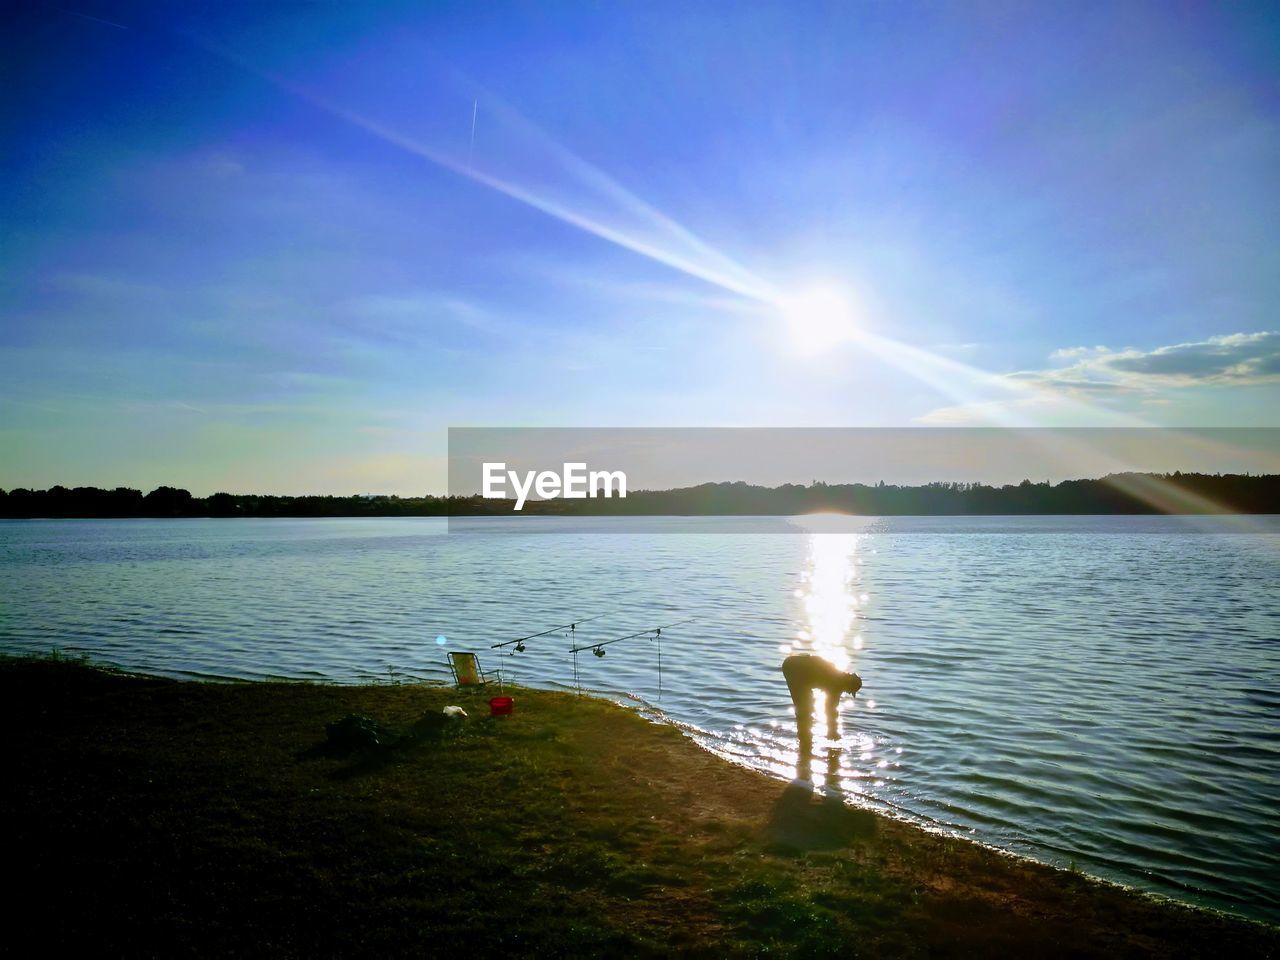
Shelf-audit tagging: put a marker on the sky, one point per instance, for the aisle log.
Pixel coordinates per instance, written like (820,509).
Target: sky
(282,248)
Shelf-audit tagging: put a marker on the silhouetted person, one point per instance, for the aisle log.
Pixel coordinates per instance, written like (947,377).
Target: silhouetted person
(806,673)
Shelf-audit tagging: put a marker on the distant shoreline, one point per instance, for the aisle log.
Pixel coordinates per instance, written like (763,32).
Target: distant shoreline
(1125,494)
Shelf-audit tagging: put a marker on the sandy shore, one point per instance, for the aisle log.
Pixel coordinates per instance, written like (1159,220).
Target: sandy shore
(150,816)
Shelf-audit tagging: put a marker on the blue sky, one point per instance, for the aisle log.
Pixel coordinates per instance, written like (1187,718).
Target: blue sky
(263,247)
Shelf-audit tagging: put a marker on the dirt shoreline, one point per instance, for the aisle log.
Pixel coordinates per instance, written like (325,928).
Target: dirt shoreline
(152,816)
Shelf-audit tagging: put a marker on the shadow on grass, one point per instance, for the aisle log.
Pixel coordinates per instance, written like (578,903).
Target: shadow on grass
(801,822)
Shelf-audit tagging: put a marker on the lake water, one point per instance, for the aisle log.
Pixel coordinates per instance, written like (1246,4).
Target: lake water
(1096,691)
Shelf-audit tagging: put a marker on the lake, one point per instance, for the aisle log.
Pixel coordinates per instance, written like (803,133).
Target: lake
(1096,692)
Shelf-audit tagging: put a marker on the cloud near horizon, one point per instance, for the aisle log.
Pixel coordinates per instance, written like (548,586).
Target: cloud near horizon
(1099,374)
(1235,359)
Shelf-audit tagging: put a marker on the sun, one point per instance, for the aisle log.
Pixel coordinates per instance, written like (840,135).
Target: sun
(818,319)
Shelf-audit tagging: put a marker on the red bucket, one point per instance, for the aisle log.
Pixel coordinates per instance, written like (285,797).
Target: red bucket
(501,706)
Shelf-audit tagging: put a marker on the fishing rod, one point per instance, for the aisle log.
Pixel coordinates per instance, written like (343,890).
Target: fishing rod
(519,641)
(656,631)
(598,649)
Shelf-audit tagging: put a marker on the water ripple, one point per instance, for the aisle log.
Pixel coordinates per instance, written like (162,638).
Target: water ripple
(1102,692)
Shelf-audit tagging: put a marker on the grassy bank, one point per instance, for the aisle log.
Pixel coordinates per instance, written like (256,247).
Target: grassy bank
(152,816)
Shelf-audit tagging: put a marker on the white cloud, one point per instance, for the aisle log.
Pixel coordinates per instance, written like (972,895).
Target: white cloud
(1091,380)
(1233,359)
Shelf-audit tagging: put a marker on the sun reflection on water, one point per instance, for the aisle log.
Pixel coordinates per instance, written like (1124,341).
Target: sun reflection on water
(829,603)
(830,606)
(827,597)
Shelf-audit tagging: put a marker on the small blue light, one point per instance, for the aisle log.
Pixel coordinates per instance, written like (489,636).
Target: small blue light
(442,639)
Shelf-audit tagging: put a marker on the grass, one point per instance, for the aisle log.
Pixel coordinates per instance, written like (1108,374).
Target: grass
(157,817)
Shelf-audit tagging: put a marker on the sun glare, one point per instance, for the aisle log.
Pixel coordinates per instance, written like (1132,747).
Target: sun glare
(818,319)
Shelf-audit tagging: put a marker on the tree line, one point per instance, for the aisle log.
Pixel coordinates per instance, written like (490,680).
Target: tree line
(1113,494)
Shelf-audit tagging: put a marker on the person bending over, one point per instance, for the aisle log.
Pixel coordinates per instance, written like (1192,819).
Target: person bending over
(806,673)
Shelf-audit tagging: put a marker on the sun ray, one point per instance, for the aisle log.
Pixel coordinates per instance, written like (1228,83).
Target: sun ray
(820,319)
(700,261)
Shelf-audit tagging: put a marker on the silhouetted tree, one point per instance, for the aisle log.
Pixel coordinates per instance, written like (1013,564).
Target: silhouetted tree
(1239,493)
(169,502)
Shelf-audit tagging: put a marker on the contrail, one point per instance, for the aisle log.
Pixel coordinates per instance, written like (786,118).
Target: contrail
(85,16)
(471,147)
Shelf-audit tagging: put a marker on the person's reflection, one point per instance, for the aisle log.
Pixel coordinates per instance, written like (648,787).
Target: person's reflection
(804,771)
(832,788)
(804,766)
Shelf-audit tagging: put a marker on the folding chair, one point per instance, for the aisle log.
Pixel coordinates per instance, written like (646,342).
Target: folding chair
(467,674)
